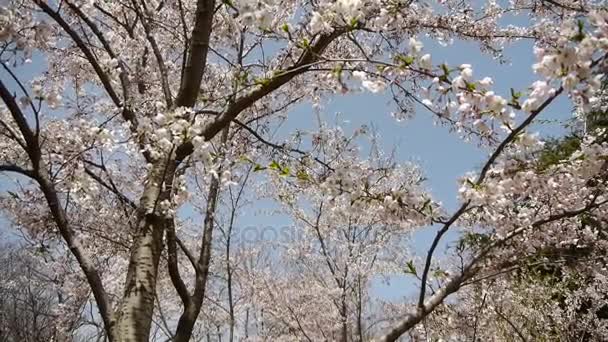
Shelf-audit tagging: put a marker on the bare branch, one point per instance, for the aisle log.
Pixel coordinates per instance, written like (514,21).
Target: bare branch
(187,252)
(276,146)
(517,331)
(173,265)
(16,169)
(112,187)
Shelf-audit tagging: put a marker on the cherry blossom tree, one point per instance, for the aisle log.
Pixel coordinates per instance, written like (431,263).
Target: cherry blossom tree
(553,291)
(150,124)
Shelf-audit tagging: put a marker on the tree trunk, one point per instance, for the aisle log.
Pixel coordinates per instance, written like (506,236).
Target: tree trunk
(134,316)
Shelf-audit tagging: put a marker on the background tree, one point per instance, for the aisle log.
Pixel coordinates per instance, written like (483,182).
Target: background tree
(34,299)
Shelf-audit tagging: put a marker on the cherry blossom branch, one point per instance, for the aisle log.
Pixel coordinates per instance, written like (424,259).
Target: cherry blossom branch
(112,187)
(103,77)
(514,133)
(127,114)
(512,136)
(57,210)
(96,31)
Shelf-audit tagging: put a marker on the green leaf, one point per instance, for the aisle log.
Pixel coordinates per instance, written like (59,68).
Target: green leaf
(241,78)
(557,151)
(285,171)
(475,240)
(337,71)
(474,185)
(305,44)
(246,159)
(285,28)
(470,86)
(405,61)
(581,32)
(427,205)
(14,195)
(41,250)
(274,166)
(262,81)
(515,95)
(411,269)
(409,60)
(258,167)
(446,70)
(302,175)
(439,273)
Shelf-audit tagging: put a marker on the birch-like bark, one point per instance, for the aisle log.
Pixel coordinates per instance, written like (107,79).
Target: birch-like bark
(134,316)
